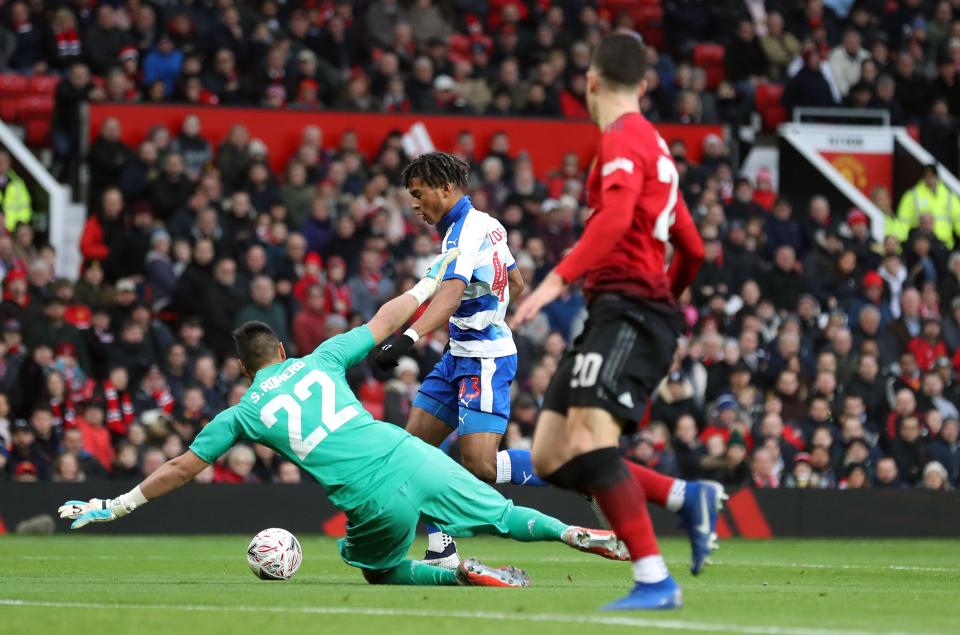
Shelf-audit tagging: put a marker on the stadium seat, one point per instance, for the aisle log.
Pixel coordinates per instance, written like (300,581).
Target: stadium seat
(38,131)
(710,57)
(36,107)
(768,104)
(12,87)
(43,85)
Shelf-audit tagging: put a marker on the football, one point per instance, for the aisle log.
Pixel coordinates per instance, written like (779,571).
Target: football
(274,554)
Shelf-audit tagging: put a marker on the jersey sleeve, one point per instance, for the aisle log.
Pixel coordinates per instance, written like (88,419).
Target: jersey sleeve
(217,437)
(688,250)
(347,349)
(468,237)
(621,178)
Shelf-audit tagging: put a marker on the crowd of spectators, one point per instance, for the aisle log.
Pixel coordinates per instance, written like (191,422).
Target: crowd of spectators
(499,57)
(814,356)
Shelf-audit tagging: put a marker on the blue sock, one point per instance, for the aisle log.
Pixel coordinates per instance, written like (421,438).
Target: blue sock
(516,466)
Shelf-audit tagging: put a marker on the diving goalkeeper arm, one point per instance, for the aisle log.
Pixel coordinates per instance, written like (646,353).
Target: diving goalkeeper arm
(168,477)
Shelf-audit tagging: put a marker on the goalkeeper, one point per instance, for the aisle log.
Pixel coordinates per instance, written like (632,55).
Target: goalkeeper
(381,477)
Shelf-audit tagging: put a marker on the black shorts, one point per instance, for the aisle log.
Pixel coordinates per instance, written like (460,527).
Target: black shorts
(618,361)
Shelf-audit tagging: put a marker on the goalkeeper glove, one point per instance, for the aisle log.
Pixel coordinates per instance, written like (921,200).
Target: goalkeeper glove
(399,345)
(98,510)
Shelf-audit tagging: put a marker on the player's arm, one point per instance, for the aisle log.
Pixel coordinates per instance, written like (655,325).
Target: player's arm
(515,280)
(395,313)
(622,182)
(687,250)
(214,440)
(168,477)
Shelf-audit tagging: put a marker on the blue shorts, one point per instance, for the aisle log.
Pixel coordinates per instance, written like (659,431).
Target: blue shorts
(469,394)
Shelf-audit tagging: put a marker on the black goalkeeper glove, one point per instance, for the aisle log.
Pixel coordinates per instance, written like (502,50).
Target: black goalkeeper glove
(391,352)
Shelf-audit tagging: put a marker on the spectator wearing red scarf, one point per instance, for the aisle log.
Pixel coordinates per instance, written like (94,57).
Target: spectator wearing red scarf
(119,411)
(337,293)
(312,271)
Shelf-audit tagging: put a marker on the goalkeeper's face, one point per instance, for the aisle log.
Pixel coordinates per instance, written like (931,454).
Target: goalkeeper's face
(430,203)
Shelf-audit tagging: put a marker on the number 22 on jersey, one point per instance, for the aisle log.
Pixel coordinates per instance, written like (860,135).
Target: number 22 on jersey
(330,418)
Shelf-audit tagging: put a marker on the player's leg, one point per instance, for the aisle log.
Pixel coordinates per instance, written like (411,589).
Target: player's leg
(463,506)
(432,418)
(484,411)
(615,365)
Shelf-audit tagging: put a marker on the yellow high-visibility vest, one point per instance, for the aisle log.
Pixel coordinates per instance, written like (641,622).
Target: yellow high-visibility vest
(943,204)
(15,202)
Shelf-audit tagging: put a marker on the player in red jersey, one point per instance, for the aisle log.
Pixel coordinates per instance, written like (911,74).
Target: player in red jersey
(603,384)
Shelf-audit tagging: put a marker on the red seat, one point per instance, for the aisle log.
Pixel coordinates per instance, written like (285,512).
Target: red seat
(44,85)
(38,131)
(12,87)
(710,58)
(767,101)
(36,107)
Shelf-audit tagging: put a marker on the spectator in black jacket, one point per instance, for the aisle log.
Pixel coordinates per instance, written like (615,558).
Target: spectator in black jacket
(65,125)
(171,189)
(808,87)
(30,48)
(108,157)
(221,303)
(103,41)
(946,449)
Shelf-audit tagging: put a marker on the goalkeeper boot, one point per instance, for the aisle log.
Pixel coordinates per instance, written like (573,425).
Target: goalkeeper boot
(702,503)
(662,595)
(472,572)
(599,541)
(444,552)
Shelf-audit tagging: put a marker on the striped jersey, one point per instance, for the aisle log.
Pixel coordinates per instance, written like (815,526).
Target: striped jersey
(478,328)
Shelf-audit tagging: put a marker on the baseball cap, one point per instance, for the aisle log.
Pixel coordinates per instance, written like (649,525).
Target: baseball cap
(549,205)
(726,401)
(12,326)
(872,279)
(856,217)
(126,285)
(20,425)
(25,467)
(803,457)
(444,82)
(942,362)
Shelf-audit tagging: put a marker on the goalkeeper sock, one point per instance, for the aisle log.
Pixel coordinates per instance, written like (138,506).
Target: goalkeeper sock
(529,525)
(414,572)
(516,466)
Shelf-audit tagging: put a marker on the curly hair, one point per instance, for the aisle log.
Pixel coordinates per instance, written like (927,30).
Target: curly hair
(437,169)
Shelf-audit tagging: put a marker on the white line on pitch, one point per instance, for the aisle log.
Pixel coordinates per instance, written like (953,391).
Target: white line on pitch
(598,620)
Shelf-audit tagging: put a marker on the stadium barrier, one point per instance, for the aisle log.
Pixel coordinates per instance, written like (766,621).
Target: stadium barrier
(246,509)
(546,141)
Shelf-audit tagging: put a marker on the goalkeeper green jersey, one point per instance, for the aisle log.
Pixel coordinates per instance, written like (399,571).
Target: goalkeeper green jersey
(304,409)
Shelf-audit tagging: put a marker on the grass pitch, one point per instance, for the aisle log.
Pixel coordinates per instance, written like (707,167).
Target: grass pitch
(84,584)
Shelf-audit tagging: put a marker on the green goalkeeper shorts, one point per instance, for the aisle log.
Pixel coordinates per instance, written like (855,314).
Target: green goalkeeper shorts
(441,492)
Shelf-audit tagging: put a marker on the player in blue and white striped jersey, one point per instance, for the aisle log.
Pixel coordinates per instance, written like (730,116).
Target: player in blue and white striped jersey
(469,388)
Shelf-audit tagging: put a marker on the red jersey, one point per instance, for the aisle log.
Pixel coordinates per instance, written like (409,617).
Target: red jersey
(633,189)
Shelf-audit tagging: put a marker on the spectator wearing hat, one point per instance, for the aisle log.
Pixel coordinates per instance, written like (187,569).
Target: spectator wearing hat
(801,475)
(675,398)
(25,452)
(935,477)
(163,63)
(860,241)
(928,346)
(400,391)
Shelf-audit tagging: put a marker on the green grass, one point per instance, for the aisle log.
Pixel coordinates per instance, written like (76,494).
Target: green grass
(81,584)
